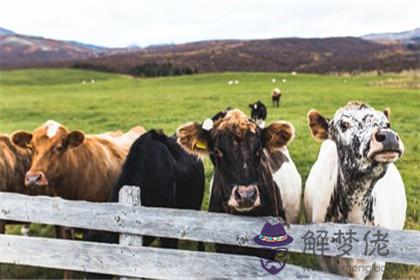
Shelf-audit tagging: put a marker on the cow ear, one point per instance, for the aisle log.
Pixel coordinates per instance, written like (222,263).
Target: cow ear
(318,125)
(195,138)
(22,139)
(387,112)
(251,106)
(278,134)
(74,139)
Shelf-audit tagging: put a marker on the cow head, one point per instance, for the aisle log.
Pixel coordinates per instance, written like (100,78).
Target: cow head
(363,136)
(237,147)
(49,144)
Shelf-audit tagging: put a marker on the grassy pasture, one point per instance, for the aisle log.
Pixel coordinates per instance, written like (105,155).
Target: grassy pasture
(30,97)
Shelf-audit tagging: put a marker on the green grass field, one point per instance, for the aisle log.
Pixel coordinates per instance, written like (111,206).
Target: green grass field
(30,97)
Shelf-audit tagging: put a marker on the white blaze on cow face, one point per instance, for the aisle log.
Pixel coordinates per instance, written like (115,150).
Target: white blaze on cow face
(52,128)
(207,125)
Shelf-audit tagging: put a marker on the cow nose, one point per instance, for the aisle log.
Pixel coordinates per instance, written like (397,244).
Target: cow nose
(245,193)
(35,179)
(246,196)
(388,139)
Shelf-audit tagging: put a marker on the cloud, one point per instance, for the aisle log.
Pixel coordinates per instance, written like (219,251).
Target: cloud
(123,22)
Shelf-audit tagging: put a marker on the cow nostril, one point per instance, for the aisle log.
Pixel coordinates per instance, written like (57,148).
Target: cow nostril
(251,193)
(237,194)
(380,137)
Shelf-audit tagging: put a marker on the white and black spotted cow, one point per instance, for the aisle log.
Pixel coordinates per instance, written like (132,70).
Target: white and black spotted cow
(258,113)
(254,173)
(354,179)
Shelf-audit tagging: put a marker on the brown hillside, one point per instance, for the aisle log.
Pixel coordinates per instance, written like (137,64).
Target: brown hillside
(292,54)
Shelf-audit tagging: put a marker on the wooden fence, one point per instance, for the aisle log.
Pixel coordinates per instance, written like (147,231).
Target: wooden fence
(132,220)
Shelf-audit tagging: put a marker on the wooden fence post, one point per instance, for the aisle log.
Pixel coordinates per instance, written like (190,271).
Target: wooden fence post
(130,195)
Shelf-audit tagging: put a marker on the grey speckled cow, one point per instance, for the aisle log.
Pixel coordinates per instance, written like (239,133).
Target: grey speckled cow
(354,179)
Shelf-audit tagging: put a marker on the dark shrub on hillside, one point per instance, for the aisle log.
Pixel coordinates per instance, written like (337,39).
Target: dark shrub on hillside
(88,66)
(161,70)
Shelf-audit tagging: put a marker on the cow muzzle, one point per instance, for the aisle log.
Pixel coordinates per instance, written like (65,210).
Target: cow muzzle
(244,198)
(35,179)
(385,146)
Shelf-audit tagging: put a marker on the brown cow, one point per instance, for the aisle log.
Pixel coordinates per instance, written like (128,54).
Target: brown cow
(14,162)
(275,97)
(73,165)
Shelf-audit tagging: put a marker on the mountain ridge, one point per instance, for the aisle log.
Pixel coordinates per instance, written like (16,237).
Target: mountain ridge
(276,54)
(403,36)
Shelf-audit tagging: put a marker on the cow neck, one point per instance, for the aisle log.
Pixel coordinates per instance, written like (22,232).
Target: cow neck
(275,159)
(273,191)
(352,200)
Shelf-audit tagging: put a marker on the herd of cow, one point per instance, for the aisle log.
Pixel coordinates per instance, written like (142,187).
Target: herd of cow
(353,180)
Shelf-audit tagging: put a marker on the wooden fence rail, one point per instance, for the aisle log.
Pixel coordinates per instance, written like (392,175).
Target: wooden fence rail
(132,221)
(156,263)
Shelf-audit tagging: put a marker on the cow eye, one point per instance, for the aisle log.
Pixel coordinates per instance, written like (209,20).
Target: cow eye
(258,152)
(388,125)
(58,149)
(218,153)
(344,126)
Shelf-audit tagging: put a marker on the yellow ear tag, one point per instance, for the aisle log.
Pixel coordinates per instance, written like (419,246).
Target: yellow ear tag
(201,145)
(78,235)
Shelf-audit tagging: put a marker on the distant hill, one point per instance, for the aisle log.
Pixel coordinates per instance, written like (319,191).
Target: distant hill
(398,36)
(4,31)
(94,48)
(410,39)
(18,50)
(288,54)
(285,54)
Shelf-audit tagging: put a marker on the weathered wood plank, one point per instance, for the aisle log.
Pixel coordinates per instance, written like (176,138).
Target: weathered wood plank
(138,261)
(131,196)
(189,225)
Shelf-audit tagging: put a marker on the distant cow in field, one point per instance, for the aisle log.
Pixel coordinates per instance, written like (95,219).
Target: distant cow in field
(253,171)
(275,97)
(354,179)
(258,113)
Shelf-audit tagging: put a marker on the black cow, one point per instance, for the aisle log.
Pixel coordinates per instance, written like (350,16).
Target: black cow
(258,113)
(167,176)
(245,158)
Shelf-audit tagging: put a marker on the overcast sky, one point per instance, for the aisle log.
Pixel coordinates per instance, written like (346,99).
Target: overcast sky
(119,23)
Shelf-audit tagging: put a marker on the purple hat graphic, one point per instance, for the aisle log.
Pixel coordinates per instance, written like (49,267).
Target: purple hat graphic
(273,236)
